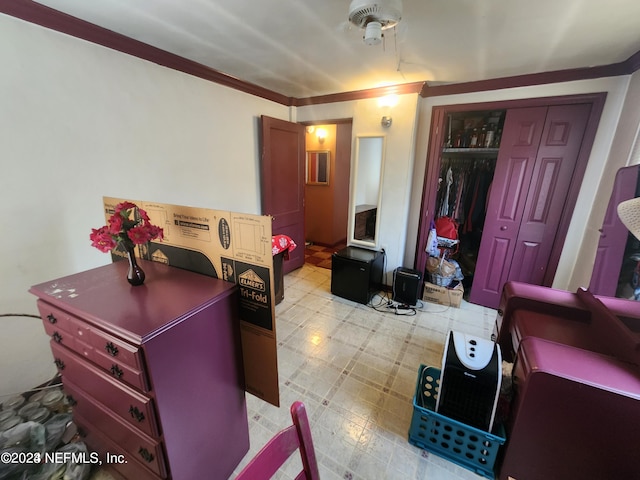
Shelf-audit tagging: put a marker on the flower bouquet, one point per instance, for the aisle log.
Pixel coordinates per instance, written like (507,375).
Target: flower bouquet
(128,226)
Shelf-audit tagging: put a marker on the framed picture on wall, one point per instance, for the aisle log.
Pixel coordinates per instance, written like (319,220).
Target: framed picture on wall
(318,163)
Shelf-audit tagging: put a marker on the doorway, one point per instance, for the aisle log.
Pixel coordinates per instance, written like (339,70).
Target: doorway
(327,180)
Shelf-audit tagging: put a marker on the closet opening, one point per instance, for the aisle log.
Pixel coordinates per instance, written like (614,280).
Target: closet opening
(467,164)
(540,148)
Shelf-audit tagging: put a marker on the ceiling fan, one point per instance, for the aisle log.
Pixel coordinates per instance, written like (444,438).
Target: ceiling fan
(374,17)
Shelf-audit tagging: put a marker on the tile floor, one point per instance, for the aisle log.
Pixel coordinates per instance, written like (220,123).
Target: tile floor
(319,256)
(355,368)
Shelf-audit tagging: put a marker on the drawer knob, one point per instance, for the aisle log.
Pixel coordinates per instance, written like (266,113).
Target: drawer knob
(136,414)
(52,318)
(111,349)
(59,363)
(146,455)
(56,337)
(116,371)
(72,401)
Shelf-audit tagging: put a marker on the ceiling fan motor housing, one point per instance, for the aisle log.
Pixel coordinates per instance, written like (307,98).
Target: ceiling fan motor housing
(385,12)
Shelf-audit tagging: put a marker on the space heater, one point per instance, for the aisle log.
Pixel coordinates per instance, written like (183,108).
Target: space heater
(470,380)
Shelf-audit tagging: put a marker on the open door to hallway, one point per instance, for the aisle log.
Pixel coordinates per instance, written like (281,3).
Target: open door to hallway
(282,170)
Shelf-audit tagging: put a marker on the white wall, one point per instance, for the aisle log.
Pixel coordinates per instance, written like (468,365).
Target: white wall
(576,262)
(79,122)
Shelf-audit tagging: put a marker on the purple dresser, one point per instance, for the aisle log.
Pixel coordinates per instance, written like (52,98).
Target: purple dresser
(576,406)
(154,372)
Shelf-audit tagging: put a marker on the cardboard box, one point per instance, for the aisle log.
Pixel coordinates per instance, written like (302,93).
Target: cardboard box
(443,295)
(235,247)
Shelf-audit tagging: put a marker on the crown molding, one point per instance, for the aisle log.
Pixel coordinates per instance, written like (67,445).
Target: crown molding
(400,89)
(633,62)
(47,17)
(558,76)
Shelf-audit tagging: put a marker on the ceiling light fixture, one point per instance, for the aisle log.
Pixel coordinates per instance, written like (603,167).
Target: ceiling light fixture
(321,133)
(386,103)
(373,33)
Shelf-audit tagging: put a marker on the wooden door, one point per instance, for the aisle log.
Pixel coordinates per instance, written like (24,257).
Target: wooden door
(282,171)
(613,235)
(514,169)
(553,171)
(527,203)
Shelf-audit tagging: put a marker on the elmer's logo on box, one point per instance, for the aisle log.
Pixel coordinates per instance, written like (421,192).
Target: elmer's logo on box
(255,299)
(252,280)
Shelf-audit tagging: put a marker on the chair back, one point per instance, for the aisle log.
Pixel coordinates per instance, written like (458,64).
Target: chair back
(278,450)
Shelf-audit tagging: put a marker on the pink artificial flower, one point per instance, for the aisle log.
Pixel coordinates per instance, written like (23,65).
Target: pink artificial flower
(155,232)
(102,239)
(124,206)
(121,228)
(115,224)
(143,215)
(139,235)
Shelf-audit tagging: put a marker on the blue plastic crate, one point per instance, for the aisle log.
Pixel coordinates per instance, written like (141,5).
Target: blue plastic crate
(469,447)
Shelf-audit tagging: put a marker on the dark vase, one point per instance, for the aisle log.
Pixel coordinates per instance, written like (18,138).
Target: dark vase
(135,274)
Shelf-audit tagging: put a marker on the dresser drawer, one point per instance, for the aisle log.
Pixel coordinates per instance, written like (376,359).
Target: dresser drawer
(98,442)
(118,358)
(57,320)
(148,451)
(123,352)
(111,366)
(120,371)
(62,326)
(130,405)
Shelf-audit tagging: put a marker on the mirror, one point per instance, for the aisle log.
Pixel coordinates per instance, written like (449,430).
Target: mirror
(318,163)
(366,190)
(618,254)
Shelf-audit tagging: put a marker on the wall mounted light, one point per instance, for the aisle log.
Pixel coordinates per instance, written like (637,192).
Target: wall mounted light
(386,103)
(321,134)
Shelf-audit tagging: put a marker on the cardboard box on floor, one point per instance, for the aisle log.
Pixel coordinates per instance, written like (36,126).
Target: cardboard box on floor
(235,247)
(443,295)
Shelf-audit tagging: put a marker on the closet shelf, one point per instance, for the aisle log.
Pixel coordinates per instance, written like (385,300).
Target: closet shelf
(476,152)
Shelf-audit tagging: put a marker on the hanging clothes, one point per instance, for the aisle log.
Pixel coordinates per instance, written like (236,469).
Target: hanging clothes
(463,191)
(444,208)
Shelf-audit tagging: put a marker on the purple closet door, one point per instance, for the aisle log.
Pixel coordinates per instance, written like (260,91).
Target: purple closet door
(526,203)
(552,174)
(613,235)
(512,178)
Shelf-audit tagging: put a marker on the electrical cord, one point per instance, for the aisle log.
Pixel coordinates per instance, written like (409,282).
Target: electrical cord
(20,315)
(384,304)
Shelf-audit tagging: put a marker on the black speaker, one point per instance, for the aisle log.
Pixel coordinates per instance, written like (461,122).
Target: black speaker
(406,285)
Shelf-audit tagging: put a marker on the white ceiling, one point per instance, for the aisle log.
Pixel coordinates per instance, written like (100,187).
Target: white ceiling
(304,48)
